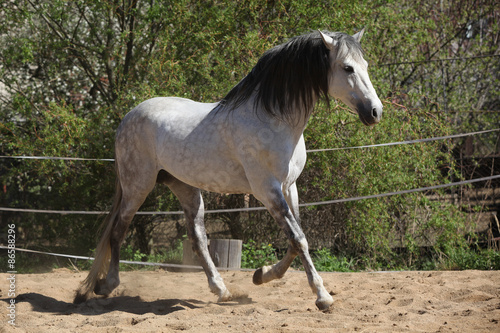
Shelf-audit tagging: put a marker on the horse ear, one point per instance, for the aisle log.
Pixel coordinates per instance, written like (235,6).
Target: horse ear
(329,42)
(357,36)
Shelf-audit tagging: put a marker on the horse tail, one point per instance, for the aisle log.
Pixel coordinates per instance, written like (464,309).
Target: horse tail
(100,267)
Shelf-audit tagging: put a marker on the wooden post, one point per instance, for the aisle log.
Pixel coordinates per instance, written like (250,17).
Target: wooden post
(188,256)
(226,253)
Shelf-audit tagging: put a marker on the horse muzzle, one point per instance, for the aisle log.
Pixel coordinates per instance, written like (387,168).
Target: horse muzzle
(370,114)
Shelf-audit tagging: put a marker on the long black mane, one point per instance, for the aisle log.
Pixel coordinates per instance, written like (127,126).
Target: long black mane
(289,78)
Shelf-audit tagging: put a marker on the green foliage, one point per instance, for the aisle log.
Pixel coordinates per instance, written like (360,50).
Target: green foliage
(373,228)
(28,263)
(465,258)
(171,256)
(254,255)
(71,70)
(128,253)
(325,261)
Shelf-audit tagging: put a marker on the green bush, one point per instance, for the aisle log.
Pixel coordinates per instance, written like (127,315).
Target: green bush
(325,261)
(254,255)
(462,259)
(70,79)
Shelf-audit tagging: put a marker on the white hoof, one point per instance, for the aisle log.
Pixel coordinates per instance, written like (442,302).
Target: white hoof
(324,303)
(225,296)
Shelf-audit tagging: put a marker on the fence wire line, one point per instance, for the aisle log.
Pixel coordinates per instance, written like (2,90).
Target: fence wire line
(308,151)
(438,60)
(250,209)
(406,142)
(143,263)
(129,262)
(58,158)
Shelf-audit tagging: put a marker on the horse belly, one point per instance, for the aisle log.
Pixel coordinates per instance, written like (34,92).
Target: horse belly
(200,154)
(220,175)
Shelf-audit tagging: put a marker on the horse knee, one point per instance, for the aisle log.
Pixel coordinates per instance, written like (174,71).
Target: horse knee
(120,230)
(299,244)
(199,244)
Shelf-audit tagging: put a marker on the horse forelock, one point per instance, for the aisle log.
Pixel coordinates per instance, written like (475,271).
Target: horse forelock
(347,47)
(287,80)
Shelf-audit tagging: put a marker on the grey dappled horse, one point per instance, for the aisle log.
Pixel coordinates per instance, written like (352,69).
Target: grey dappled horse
(250,142)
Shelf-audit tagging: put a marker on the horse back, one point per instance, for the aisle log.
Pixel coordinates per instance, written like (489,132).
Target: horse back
(208,149)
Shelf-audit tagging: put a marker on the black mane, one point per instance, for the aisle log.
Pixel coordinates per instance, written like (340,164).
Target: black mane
(289,78)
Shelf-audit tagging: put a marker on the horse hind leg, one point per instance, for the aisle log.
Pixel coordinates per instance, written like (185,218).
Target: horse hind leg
(135,191)
(192,204)
(131,191)
(100,265)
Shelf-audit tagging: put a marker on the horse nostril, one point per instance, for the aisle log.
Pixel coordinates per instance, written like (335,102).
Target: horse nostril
(376,114)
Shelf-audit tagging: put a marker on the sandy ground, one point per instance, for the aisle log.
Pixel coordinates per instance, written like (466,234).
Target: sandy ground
(160,301)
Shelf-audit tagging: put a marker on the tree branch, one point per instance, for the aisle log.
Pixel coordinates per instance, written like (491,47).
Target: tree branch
(82,60)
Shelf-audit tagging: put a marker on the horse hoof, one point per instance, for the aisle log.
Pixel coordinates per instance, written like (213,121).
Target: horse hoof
(104,287)
(263,275)
(79,298)
(225,297)
(324,304)
(257,277)
(101,288)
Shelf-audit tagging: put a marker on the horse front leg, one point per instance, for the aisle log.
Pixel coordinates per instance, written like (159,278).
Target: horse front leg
(278,270)
(275,201)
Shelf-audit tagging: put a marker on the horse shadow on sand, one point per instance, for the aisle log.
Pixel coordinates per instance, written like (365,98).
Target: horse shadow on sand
(130,304)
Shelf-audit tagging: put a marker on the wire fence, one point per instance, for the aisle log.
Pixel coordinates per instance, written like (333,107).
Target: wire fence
(249,209)
(252,209)
(417,62)
(308,151)
(234,210)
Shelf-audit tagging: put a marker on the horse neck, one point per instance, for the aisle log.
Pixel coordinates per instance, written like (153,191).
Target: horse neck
(296,123)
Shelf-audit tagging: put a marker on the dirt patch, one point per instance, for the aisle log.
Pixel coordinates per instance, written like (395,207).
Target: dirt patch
(160,301)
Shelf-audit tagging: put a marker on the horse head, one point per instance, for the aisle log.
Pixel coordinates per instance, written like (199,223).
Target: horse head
(348,78)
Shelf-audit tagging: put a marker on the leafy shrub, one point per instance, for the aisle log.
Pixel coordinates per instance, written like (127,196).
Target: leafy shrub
(465,258)
(254,255)
(325,261)
(66,97)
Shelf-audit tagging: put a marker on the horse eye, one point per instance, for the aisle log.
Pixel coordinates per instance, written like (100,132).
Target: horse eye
(349,69)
